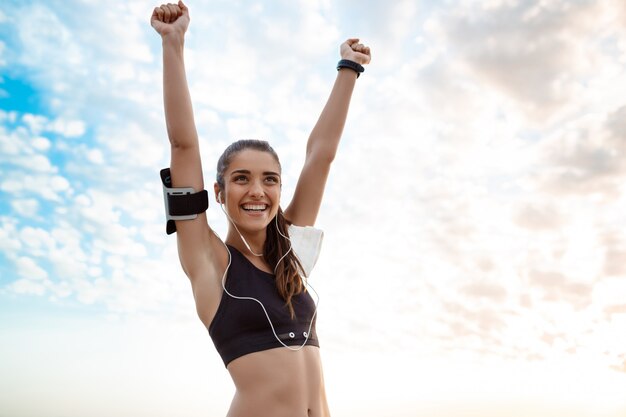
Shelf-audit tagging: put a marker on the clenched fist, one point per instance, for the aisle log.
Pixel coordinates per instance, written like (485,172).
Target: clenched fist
(355,51)
(170,18)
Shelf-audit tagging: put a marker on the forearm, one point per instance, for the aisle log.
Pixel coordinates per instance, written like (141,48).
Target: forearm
(325,136)
(181,127)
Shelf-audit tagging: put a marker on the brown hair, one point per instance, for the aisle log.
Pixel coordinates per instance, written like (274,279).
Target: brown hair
(288,278)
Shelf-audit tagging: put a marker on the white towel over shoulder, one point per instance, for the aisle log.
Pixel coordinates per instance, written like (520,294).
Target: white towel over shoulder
(306,242)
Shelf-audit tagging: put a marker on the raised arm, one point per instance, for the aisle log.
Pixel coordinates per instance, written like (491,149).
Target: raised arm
(324,139)
(171,22)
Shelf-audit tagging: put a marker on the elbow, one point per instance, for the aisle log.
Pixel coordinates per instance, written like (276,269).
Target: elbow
(325,158)
(182,137)
(176,145)
(179,145)
(329,157)
(175,141)
(324,154)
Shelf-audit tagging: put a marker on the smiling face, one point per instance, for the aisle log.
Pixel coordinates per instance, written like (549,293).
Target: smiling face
(251,193)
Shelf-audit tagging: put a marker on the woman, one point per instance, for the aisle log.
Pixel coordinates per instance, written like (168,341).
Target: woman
(249,290)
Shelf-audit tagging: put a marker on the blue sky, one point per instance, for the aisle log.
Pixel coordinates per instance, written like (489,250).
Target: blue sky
(475,243)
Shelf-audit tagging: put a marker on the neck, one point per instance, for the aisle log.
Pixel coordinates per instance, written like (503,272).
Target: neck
(256,240)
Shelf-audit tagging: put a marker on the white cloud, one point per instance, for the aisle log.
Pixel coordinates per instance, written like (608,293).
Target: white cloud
(59,183)
(95,156)
(491,291)
(615,253)
(26,207)
(39,124)
(130,146)
(246,127)
(26,286)
(28,269)
(36,123)
(9,144)
(534,53)
(43,35)
(44,186)
(584,156)
(37,239)
(9,116)
(556,287)
(8,233)
(3,61)
(41,143)
(67,128)
(35,163)
(539,216)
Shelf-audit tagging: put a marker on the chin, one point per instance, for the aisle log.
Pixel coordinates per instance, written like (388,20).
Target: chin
(252,225)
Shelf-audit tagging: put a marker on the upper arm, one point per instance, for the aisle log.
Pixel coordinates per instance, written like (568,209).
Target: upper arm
(197,245)
(307,198)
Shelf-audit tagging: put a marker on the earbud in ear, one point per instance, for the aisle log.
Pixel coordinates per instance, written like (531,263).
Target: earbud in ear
(219,198)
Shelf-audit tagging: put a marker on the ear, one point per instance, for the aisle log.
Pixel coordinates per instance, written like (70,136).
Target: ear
(216,189)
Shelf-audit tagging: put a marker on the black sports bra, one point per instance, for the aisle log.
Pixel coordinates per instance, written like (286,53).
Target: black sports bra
(241,327)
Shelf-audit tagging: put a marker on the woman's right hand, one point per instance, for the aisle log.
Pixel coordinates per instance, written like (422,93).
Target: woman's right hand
(170,18)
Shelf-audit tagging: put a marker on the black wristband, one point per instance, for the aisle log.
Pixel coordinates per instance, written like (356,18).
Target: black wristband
(346,63)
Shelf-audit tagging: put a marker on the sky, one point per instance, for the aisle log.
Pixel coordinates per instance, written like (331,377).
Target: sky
(474,258)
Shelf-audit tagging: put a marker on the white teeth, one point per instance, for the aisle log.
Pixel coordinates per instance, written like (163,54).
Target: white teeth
(260,207)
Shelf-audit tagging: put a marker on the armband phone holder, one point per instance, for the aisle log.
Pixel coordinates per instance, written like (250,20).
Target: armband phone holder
(181,203)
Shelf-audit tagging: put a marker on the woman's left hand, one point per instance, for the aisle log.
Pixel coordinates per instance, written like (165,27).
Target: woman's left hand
(355,51)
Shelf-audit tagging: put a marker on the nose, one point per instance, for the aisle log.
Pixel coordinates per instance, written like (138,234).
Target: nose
(256,190)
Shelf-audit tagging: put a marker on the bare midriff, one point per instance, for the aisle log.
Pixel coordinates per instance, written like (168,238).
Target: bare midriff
(279,383)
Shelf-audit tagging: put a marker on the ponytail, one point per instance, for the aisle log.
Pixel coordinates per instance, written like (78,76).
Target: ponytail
(288,271)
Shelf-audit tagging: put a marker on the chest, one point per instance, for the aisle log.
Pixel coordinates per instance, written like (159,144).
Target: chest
(253,298)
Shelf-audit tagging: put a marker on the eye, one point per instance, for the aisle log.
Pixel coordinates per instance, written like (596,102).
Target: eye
(272,180)
(240,178)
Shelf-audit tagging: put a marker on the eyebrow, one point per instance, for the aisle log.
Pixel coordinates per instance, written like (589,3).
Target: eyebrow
(245,171)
